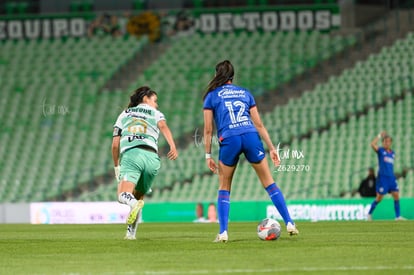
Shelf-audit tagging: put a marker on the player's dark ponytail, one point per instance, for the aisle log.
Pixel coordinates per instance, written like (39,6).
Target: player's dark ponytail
(138,96)
(224,73)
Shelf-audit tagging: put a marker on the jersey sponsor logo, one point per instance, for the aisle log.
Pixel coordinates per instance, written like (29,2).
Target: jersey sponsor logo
(137,126)
(135,137)
(388,159)
(241,124)
(138,116)
(140,110)
(227,93)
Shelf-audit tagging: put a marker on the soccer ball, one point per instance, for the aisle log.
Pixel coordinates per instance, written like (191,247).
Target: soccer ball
(268,230)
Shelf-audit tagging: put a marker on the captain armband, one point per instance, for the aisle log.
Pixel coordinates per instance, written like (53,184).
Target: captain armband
(117,132)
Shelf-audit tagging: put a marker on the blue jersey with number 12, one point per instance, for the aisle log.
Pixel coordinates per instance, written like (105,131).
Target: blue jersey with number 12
(231,106)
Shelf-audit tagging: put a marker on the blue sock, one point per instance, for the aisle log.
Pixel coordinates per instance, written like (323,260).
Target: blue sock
(373,205)
(279,202)
(223,209)
(397,208)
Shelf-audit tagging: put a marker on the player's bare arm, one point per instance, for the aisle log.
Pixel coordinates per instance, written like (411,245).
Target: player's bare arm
(116,140)
(257,121)
(115,149)
(208,135)
(166,132)
(374,142)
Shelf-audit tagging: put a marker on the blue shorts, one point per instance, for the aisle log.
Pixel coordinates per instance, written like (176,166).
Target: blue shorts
(248,143)
(386,185)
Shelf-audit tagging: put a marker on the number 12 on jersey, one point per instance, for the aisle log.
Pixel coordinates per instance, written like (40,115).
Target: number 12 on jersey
(239,117)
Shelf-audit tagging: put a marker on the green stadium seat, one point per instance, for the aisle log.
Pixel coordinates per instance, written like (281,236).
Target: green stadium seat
(22,7)
(355,86)
(53,127)
(11,7)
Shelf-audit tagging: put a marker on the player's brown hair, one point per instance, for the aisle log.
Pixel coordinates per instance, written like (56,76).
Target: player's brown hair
(224,73)
(138,96)
(386,137)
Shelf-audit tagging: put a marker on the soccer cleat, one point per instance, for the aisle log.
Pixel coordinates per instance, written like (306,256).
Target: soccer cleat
(369,217)
(129,237)
(221,238)
(400,218)
(130,232)
(291,229)
(134,212)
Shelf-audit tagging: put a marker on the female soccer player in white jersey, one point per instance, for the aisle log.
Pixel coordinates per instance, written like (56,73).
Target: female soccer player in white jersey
(239,125)
(135,151)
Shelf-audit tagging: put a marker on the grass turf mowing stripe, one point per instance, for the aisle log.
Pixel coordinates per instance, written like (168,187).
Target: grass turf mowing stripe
(283,270)
(379,247)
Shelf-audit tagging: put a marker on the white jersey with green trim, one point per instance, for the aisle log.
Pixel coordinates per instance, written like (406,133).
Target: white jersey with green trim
(138,126)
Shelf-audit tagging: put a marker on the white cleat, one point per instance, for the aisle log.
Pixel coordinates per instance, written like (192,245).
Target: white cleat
(291,229)
(369,217)
(221,238)
(400,218)
(129,237)
(133,215)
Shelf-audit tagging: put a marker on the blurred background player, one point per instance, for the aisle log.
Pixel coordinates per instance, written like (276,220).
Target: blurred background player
(367,186)
(135,151)
(212,212)
(238,125)
(199,211)
(386,180)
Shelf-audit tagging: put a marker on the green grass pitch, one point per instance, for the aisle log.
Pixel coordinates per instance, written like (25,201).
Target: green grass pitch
(378,247)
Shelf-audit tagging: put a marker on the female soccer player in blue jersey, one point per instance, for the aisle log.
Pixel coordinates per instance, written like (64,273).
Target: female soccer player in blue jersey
(386,181)
(239,125)
(135,151)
